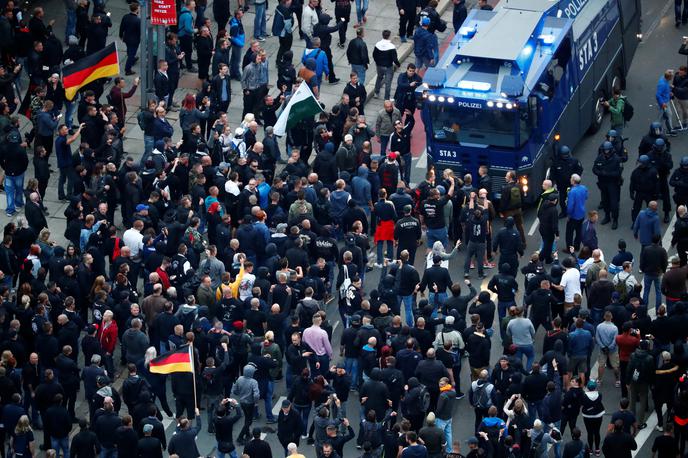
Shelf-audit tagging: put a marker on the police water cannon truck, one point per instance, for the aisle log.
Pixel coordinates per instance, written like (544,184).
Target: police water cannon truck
(517,81)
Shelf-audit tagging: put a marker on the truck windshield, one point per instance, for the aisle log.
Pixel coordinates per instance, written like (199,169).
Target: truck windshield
(452,124)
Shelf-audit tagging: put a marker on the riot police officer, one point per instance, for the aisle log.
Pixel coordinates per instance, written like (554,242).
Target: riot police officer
(643,186)
(617,142)
(563,166)
(679,181)
(607,168)
(648,140)
(605,148)
(662,161)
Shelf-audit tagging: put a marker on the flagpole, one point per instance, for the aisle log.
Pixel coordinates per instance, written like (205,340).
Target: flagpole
(193,375)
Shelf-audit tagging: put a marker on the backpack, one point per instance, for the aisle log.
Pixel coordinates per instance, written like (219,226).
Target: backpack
(423,399)
(481,397)
(344,287)
(306,313)
(628,110)
(141,120)
(514,197)
(622,287)
(371,433)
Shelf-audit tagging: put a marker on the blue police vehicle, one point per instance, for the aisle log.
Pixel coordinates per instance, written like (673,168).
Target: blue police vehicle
(517,80)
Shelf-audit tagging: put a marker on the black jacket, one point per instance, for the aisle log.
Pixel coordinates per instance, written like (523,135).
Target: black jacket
(288,427)
(35,216)
(130,29)
(653,259)
(224,426)
(357,52)
(14,159)
(85,445)
(150,447)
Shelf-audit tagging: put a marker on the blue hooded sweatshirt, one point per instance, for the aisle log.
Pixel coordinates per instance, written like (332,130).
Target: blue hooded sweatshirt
(360,187)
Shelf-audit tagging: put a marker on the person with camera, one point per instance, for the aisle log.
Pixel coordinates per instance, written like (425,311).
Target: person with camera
(226,415)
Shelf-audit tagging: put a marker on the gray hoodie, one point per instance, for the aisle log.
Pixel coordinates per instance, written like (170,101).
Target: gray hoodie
(245,390)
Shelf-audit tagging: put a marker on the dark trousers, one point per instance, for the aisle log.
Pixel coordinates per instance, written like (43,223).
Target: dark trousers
(248,411)
(666,195)
(563,189)
(406,23)
(185,402)
(611,192)
(623,365)
(480,413)
(186,45)
(285,45)
(411,250)
(572,225)
(131,56)
(330,64)
(69,401)
(46,141)
(638,205)
(174,82)
(249,101)
(592,427)
(546,252)
(680,16)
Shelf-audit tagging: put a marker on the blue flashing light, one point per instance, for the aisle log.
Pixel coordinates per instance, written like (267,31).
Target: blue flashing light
(468,32)
(479,86)
(547,39)
(527,51)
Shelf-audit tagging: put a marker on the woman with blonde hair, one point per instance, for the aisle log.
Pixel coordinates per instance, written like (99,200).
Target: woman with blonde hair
(22,442)
(156,381)
(97,287)
(47,246)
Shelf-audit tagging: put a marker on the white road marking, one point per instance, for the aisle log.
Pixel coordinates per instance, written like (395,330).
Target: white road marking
(278,405)
(646,432)
(422,160)
(334,328)
(658,18)
(263,436)
(666,240)
(534,227)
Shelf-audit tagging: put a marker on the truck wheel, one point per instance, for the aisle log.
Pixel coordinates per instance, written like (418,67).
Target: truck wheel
(597,117)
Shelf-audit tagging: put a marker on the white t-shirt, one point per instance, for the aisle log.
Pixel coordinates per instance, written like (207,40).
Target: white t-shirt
(571,283)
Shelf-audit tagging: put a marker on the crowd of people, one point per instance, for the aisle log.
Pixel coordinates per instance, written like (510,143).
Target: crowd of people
(223,247)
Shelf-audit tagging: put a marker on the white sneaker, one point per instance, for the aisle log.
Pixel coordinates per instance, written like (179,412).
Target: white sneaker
(378,265)
(659,428)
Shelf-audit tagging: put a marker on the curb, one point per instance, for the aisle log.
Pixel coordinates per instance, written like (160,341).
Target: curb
(404,50)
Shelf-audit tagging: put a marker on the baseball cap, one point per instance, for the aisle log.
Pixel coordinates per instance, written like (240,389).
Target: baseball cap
(141,207)
(472,440)
(392,155)
(147,428)
(286,403)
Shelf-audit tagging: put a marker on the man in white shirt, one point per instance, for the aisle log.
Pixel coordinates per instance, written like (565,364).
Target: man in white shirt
(570,283)
(133,238)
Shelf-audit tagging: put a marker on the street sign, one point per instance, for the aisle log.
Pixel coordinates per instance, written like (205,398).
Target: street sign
(163,12)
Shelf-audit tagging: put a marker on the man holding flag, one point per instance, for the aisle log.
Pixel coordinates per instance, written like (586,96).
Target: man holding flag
(181,363)
(301,105)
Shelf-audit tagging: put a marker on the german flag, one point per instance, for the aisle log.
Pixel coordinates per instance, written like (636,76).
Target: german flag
(101,64)
(179,360)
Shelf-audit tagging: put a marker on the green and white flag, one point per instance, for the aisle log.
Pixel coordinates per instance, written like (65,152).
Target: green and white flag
(301,105)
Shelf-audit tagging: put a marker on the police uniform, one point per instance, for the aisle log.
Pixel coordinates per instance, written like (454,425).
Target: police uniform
(563,166)
(679,181)
(607,168)
(662,161)
(643,186)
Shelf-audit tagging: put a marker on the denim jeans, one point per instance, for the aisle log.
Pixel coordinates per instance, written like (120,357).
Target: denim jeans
(232,454)
(434,235)
(437,300)
(408,308)
(200,16)
(446,427)
(406,169)
(131,56)
(14,188)
(234,61)
(351,368)
(148,146)
(420,63)
(60,443)
(384,144)
(665,116)
(360,71)
(648,280)
(390,250)
(108,452)
(528,351)
(361,9)
(259,21)
(70,29)
(269,390)
(69,113)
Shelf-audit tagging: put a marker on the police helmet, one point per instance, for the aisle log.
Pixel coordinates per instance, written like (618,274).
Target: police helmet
(684,161)
(644,159)
(607,146)
(612,134)
(659,144)
(656,128)
(564,150)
